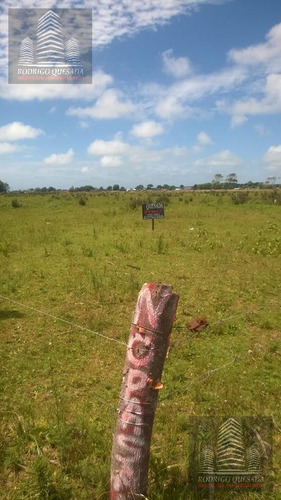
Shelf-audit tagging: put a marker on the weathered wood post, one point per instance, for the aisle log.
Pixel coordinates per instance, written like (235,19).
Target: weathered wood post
(146,351)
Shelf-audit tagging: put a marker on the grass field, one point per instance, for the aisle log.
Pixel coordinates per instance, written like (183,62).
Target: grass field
(85,262)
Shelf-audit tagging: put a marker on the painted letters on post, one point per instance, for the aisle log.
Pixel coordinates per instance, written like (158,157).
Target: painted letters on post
(146,351)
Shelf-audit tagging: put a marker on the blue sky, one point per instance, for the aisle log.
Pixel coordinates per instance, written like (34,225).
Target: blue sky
(182,90)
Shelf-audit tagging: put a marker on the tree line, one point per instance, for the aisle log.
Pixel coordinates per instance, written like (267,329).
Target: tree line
(230,181)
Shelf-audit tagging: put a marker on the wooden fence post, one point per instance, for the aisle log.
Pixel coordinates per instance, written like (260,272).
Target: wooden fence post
(146,351)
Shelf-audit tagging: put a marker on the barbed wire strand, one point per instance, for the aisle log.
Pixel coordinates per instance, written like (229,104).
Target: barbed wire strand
(111,339)
(204,376)
(64,321)
(201,378)
(196,380)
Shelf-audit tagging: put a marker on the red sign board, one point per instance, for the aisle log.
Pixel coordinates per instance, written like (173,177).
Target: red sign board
(152,211)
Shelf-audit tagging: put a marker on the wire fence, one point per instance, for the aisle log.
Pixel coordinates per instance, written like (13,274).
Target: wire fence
(75,325)
(203,377)
(195,380)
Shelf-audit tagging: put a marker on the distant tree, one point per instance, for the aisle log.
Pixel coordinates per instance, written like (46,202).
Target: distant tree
(217,179)
(109,188)
(205,186)
(159,186)
(4,187)
(140,187)
(116,187)
(87,188)
(231,178)
(182,186)
(122,188)
(149,186)
(271,181)
(250,184)
(51,189)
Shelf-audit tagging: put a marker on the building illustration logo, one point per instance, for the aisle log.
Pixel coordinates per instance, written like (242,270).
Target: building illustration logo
(233,453)
(48,54)
(231,456)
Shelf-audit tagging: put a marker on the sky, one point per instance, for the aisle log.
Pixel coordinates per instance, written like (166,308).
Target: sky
(181,90)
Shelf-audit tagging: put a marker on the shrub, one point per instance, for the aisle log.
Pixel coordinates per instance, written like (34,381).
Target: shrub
(136,202)
(82,201)
(163,198)
(15,203)
(240,198)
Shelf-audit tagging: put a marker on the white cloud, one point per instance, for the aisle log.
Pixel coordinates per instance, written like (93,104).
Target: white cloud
(196,149)
(43,91)
(111,19)
(111,161)
(237,120)
(16,131)
(260,129)
(199,86)
(170,107)
(203,85)
(6,147)
(221,159)
(60,159)
(272,158)
(269,104)
(203,139)
(83,124)
(172,101)
(116,153)
(103,148)
(85,170)
(177,67)
(112,104)
(256,69)
(147,129)
(263,93)
(267,54)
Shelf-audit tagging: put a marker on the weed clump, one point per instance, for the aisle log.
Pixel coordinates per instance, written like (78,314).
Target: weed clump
(15,203)
(82,201)
(240,198)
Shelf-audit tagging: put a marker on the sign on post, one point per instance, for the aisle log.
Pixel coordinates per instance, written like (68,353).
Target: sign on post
(152,211)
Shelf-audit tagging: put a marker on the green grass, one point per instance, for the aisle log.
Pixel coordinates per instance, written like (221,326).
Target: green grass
(86,262)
